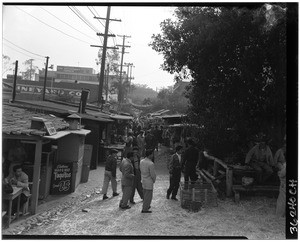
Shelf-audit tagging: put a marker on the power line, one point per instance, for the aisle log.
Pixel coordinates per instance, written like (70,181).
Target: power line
(22,48)
(99,21)
(21,52)
(66,23)
(80,15)
(52,27)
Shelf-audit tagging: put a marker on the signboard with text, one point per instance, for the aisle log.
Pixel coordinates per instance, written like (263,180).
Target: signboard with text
(62,179)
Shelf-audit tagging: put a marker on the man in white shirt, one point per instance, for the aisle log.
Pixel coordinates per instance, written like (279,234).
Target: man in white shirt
(260,158)
(148,179)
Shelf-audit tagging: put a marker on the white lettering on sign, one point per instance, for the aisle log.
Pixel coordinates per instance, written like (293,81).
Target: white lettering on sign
(55,91)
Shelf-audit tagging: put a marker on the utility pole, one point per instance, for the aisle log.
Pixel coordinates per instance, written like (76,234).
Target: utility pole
(30,68)
(120,94)
(46,69)
(101,77)
(15,83)
(107,76)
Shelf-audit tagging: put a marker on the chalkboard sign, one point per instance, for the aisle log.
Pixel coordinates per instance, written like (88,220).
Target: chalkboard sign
(50,127)
(62,179)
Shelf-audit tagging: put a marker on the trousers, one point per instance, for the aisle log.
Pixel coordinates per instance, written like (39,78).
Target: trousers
(126,190)
(174,184)
(107,178)
(137,185)
(148,194)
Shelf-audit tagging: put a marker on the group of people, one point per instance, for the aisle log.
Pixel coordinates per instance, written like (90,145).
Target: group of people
(137,174)
(261,159)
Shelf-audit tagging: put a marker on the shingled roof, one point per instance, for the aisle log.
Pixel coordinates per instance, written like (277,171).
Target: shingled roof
(17,121)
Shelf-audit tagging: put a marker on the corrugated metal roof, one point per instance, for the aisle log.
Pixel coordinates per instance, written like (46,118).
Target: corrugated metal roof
(17,121)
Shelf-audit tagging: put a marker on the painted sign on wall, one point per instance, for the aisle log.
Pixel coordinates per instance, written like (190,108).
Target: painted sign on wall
(55,91)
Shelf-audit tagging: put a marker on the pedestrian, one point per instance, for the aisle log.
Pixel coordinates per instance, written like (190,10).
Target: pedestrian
(110,174)
(189,163)
(175,173)
(137,184)
(127,180)
(150,142)
(148,179)
(128,143)
(141,143)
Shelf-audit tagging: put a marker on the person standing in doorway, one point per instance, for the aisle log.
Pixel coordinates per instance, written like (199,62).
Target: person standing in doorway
(110,174)
(175,173)
(127,180)
(148,179)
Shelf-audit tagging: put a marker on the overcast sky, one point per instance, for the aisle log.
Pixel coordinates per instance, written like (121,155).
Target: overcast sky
(57,32)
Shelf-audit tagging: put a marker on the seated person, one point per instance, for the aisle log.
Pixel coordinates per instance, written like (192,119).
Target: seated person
(280,155)
(260,158)
(19,179)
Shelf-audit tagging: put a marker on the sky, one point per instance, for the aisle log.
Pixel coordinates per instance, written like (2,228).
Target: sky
(34,32)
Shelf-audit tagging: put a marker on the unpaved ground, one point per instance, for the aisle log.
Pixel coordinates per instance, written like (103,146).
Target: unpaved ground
(254,218)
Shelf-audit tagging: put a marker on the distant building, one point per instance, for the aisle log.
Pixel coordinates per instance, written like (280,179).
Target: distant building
(180,87)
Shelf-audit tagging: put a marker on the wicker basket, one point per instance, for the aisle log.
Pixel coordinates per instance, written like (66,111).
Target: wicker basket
(204,195)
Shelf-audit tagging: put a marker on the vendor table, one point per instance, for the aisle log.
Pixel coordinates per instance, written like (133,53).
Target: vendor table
(10,197)
(240,188)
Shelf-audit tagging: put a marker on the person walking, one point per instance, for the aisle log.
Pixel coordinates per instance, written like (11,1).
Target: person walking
(148,179)
(175,173)
(189,162)
(127,180)
(137,184)
(110,174)
(141,143)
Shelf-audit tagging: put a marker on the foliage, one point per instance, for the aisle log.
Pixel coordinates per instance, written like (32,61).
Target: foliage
(237,59)
(112,60)
(30,69)
(6,65)
(140,93)
(122,88)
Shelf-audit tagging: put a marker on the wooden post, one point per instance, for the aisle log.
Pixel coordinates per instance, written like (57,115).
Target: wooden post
(36,176)
(216,166)
(229,175)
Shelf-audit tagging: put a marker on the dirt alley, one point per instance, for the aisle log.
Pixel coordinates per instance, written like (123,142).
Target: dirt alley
(62,215)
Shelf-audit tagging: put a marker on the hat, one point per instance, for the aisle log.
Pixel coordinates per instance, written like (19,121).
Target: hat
(112,151)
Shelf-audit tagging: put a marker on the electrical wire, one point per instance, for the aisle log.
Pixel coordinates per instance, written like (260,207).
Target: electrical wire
(100,37)
(22,52)
(80,15)
(52,27)
(66,23)
(22,48)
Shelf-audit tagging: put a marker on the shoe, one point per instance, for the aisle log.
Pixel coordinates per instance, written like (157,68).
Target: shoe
(174,198)
(132,202)
(146,211)
(105,197)
(168,196)
(127,207)
(115,194)
(149,207)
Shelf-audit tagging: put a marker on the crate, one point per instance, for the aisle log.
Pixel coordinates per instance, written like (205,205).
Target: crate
(204,195)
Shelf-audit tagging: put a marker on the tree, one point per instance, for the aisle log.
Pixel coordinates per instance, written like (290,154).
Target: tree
(6,65)
(237,59)
(30,69)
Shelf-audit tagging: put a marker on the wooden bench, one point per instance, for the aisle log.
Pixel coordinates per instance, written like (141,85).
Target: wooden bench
(240,188)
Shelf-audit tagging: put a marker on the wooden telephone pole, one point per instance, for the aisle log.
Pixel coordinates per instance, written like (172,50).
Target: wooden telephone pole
(106,35)
(120,94)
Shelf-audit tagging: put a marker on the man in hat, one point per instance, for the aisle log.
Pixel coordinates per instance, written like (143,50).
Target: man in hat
(174,167)
(127,180)
(137,184)
(128,143)
(260,158)
(110,174)
(148,179)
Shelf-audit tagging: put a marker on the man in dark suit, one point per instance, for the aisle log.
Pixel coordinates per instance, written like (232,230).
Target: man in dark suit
(127,180)
(189,162)
(175,173)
